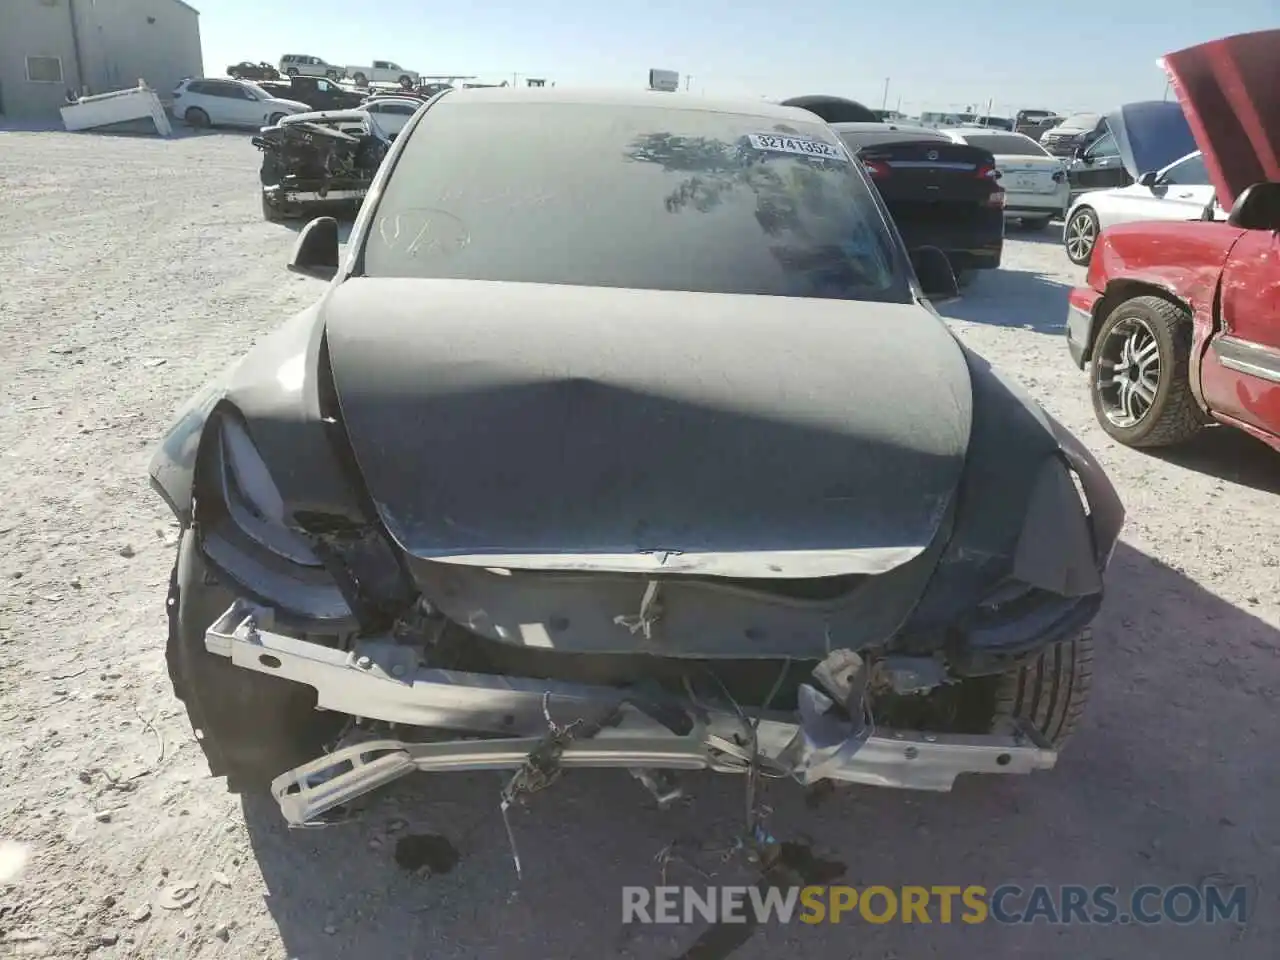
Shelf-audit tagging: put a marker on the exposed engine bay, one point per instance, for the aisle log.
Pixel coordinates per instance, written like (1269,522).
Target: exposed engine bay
(314,158)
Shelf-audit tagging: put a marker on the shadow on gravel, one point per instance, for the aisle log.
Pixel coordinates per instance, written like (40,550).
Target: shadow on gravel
(1170,781)
(1052,235)
(1229,454)
(1019,299)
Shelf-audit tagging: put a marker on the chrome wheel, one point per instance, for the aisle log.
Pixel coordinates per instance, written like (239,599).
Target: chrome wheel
(1128,371)
(1082,233)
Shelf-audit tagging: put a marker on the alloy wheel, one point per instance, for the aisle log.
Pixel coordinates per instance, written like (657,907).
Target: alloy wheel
(1082,233)
(1128,371)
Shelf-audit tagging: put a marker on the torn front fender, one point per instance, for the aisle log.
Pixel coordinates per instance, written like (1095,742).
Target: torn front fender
(276,388)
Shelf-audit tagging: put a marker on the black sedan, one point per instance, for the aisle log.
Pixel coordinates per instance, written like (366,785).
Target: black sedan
(646,450)
(247,70)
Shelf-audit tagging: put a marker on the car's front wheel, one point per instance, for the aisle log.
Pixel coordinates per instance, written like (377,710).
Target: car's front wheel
(406,81)
(1139,380)
(331,74)
(274,119)
(252,727)
(1048,693)
(291,72)
(1080,236)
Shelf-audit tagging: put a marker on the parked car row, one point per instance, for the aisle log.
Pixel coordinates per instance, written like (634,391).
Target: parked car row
(380,71)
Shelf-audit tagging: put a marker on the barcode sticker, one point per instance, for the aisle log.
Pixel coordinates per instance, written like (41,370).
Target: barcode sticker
(800,146)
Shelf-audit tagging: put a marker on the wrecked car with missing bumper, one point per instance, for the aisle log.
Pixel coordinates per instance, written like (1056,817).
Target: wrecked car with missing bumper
(645,452)
(317,161)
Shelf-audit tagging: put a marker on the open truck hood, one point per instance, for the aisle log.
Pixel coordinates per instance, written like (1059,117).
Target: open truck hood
(552,427)
(1230,92)
(1150,134)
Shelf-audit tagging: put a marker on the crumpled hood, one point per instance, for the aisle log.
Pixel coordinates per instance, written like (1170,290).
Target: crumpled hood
(531,426)
(1150,134)
(1230,92)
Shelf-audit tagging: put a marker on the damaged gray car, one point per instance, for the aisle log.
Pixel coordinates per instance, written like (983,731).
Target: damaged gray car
(315,162)
(627,438)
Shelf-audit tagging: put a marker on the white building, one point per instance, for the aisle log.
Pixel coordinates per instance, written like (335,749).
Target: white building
(50,47)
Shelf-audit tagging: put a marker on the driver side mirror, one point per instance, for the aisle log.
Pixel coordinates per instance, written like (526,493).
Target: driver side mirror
(1149,179)
(315,254)
(1257,207)
(933,270)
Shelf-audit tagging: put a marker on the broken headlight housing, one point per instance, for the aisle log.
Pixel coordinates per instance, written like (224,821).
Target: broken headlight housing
(246,533)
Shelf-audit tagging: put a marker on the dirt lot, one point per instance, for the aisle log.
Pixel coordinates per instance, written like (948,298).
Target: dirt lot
(131,270)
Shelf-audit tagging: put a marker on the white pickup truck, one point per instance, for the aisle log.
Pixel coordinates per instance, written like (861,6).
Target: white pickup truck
(383,71)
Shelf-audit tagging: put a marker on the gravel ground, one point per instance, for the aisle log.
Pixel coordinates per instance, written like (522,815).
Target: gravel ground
(133,269)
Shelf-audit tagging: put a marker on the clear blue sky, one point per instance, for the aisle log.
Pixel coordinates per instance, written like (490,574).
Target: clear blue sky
(1077,54)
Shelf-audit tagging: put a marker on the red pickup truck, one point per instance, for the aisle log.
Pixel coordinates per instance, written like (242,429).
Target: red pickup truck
(1178,324)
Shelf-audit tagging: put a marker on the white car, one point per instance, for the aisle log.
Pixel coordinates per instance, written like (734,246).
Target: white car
(208,102)
(392,113)
(1180,191)
(383,71)
(1035,182)
(305,65)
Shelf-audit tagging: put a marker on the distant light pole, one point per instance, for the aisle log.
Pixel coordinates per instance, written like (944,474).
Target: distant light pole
(687,80)
(885,101)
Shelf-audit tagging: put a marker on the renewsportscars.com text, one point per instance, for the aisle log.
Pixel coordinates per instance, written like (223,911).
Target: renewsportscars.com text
(1006,904)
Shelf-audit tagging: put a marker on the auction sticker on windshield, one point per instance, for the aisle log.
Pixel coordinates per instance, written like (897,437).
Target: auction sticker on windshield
(798,145)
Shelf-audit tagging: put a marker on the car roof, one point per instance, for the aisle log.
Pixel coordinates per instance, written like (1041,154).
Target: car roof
(991,132)
(912,128)
(630,98)
(1170,166)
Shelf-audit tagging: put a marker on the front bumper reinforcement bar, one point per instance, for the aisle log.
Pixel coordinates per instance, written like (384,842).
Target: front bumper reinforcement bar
(384,680)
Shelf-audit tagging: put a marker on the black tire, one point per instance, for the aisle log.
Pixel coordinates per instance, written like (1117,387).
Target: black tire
(1049,692)
(359,79)
(252,727)
(331,75)
(406,81)
(274,119)
(1036,223)
(291,71)
(195,117)
(1080,234)
(1172,414)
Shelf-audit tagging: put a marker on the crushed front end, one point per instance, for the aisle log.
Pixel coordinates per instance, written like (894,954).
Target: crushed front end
(318,160)
(320,659)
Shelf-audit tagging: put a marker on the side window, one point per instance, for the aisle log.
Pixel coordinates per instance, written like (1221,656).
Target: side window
(402,108)
(322,86)
(380,65)
(1190,172)
(1103,147)
(242,93)
(44,69)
